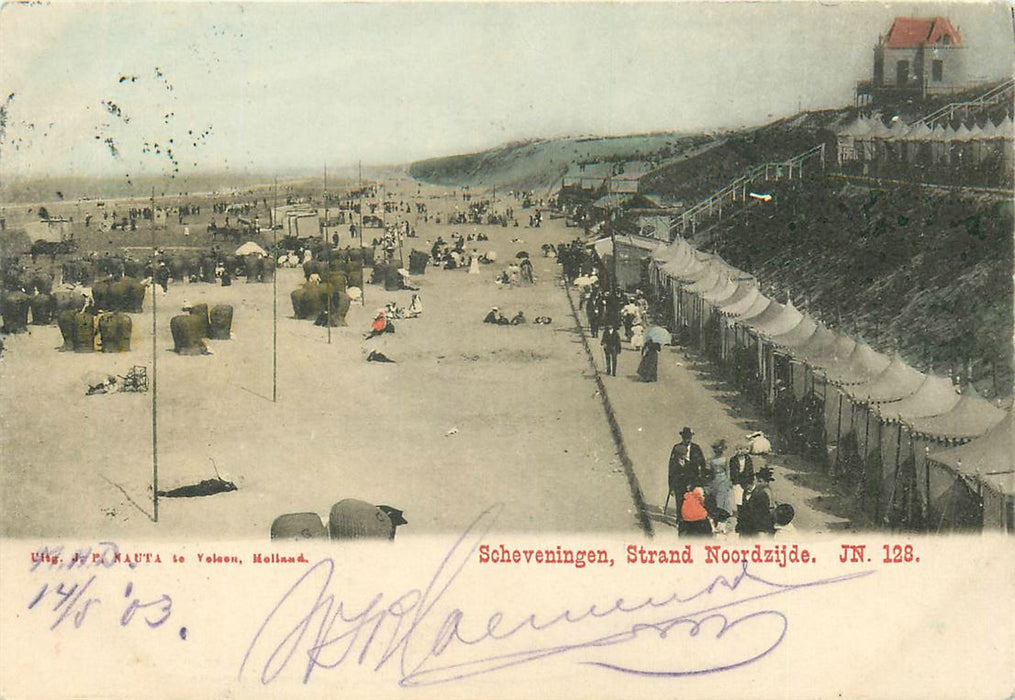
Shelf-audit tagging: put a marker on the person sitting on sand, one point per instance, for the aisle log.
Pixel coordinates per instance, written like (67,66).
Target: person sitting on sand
(405,281)
(380,326)
(495,316)
(519,318)
(415,307)
(105,387)
(392,310)
(514,273)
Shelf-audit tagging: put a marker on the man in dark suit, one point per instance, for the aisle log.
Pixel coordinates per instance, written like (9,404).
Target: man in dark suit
(687,466)
(611,349)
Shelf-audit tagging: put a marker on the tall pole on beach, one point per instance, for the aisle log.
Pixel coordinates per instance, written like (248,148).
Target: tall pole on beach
(324,230)
(274,295)
(613,236)
(362,258)
(155,380)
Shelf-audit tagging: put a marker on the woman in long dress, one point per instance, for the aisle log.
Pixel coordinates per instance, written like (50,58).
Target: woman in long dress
(720,489)
(649,364)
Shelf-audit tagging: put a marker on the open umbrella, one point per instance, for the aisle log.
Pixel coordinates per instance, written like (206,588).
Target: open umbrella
(250,247)
(521,254)
(659,335)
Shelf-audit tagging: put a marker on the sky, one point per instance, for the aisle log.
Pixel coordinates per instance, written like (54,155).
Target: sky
(101,89)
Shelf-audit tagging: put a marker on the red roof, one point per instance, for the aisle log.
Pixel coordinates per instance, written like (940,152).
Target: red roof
(913,32)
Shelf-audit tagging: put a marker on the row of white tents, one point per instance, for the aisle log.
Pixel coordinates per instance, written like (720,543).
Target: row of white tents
(869,139)
(921,453)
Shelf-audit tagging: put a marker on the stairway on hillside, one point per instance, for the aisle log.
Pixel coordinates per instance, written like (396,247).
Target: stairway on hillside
(736,192)
(990,98)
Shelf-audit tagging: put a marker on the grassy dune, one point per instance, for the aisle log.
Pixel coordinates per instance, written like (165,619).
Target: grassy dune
(540,165)
(926,272)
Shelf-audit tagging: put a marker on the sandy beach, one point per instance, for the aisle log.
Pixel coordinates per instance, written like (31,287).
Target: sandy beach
(468,415)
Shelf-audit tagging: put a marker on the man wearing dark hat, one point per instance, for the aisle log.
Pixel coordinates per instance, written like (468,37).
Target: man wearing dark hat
(757,516)
(687,466)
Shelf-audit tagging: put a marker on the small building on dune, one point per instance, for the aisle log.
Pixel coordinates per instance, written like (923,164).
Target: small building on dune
(919,56)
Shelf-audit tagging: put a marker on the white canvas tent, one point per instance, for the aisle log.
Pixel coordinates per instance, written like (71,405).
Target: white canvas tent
(250,247)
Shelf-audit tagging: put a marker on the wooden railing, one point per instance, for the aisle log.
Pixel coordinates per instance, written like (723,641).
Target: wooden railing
(735,192)
(1002,92)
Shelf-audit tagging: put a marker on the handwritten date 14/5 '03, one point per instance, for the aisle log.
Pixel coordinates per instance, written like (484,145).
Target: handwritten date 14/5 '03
(74,601)
(893,554)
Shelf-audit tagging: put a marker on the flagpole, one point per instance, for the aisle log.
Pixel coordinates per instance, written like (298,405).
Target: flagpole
(274,295)
(155,379)
(362,258)
(324,229)
(613,237)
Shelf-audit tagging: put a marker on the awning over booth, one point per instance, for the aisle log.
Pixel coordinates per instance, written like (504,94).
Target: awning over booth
(771,311)
(757,307)
(701,269)
(787,319)
(741,301)
(897,381)
(863,364)
(989,456)
(723,290)
(936,395)
(746,290)
(828,349)
(971,417)
(681,264)
(797,336)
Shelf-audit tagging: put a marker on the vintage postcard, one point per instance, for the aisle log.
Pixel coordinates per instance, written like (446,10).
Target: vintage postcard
(509,350)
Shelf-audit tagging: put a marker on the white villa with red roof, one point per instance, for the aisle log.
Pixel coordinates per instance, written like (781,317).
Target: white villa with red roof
(921,54)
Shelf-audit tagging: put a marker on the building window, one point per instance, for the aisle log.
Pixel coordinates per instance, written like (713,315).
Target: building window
(937,70)
(946,40)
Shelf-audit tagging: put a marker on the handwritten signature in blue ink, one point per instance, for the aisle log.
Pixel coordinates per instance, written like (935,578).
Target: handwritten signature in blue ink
(317,630)
(68,599)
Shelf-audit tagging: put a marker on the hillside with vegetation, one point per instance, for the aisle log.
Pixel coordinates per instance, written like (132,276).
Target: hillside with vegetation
(540,165)
(688,180)
(925,272)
